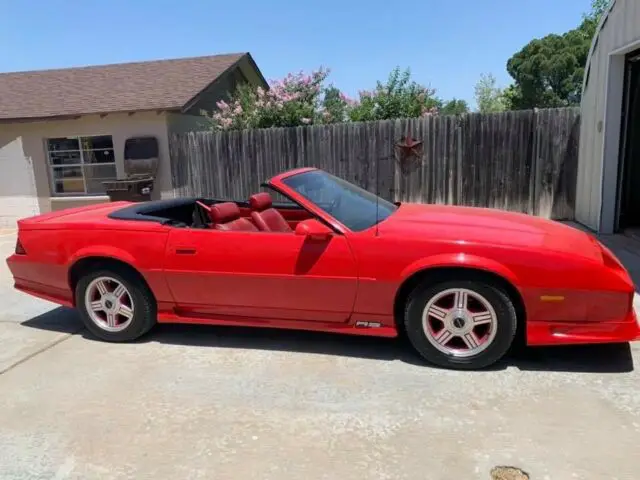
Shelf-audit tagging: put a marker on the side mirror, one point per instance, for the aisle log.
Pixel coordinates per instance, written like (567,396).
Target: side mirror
(314,230)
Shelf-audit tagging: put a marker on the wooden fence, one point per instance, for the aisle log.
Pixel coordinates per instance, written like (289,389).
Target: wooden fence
(523,161)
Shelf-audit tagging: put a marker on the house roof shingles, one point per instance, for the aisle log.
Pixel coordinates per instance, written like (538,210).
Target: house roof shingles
(125,87)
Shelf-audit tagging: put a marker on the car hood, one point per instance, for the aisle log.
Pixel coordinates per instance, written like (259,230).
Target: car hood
(490,227)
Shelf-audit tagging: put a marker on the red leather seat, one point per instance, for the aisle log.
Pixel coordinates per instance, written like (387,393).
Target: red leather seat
(266,217)
(226,216)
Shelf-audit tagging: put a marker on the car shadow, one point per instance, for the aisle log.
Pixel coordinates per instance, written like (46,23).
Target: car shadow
(612,358)
(59,319)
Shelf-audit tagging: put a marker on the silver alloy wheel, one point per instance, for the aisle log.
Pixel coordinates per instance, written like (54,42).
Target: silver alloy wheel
(459,322)
(109,304)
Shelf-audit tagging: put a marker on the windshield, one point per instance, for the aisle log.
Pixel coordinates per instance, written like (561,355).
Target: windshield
(354,207)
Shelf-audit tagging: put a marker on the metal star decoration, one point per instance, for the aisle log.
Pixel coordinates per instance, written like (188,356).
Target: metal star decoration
(409,152)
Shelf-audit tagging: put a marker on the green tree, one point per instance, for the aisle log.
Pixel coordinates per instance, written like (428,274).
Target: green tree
(511,97)
(454,107)
(489,97)
(548,72)
(334,107)
(598,7)
(398,97)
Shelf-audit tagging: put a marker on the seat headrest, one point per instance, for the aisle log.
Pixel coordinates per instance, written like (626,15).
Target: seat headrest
(260,201)
(224,212)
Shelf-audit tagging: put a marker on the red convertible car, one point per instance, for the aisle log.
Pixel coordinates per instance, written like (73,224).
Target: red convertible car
(461,283)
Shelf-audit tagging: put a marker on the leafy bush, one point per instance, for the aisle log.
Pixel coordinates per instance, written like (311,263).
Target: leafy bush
(399,97)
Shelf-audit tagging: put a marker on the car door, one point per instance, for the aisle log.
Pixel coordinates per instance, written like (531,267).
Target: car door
(261,275)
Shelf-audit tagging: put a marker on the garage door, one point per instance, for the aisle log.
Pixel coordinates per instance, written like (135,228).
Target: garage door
(18,197)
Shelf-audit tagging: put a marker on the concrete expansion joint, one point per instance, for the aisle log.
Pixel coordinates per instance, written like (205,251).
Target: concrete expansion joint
(58,341)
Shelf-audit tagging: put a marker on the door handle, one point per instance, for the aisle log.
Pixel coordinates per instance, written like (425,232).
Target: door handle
(185,251)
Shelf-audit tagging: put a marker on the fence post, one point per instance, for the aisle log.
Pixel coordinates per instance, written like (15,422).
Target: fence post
(459,157)
(533,179)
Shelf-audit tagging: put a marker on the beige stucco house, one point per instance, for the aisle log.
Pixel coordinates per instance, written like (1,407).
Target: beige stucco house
(62,132)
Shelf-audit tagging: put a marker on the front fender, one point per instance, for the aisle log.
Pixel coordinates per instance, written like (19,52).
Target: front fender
(460,260)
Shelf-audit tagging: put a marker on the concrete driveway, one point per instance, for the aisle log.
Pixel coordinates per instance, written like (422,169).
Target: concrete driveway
(216,403)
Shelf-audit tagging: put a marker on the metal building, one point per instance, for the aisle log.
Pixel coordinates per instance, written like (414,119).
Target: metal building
(608,185)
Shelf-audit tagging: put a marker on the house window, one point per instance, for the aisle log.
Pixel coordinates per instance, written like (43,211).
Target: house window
(79,165)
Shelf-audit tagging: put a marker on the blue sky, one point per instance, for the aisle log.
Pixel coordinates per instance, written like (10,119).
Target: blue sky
(446,43)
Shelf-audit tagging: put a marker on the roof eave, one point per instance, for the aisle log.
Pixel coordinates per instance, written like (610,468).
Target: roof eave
(75,116)
(193,100)
(254,65)
(594,42)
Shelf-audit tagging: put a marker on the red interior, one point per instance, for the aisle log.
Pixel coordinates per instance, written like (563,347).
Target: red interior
(226,216)
(259,213)
(264,216)
(292,216)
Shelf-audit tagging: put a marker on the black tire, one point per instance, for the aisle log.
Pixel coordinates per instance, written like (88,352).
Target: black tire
(144,314)
(506,320)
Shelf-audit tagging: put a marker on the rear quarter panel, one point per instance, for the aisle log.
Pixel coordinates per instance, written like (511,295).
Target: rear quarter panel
(52,252)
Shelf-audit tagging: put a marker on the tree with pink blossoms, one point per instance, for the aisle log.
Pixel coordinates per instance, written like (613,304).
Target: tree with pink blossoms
(303,99)
(294,101)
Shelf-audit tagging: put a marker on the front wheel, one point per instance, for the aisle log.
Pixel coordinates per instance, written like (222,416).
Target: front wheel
(460,324)
(115,305)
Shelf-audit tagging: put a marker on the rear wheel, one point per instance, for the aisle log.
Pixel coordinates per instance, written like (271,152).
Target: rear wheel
(115,305)
(460,324)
